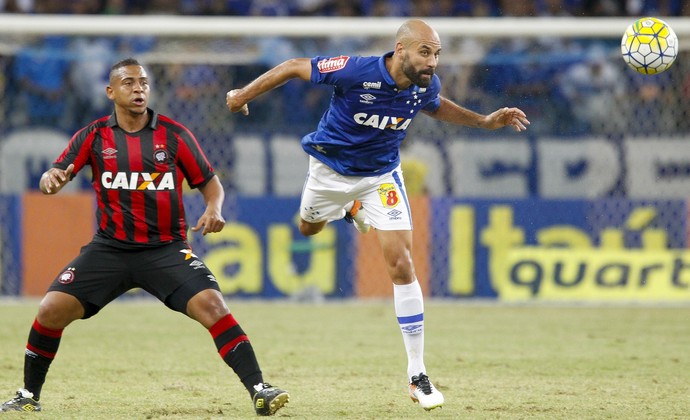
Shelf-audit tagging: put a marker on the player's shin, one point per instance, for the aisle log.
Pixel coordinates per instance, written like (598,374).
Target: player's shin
(41,349)
(409,309)
(235,349)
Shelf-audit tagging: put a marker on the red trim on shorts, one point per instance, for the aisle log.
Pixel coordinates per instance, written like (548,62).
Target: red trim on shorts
(223,324)
(46,331)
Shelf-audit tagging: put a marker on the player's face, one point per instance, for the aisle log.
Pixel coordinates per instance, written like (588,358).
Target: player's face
(420,61)
(129,89)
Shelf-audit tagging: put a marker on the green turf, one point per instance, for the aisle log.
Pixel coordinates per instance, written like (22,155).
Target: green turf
(346,360)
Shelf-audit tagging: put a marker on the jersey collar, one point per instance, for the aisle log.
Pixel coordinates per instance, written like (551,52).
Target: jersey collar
(153,122)
(384,71)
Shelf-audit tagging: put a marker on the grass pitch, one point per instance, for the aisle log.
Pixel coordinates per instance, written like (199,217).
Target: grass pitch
(139,360)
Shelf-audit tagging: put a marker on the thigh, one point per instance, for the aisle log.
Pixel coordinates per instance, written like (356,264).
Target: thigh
(95,277)
(174,274)
(385,200)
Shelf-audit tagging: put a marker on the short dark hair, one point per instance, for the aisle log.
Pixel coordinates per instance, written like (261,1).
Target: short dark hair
(129,61)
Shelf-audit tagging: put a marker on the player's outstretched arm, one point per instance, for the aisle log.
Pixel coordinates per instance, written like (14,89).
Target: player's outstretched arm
(295,68)
(451,112)
(54,179)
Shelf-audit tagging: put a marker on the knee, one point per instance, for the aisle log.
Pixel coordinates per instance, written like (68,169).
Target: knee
(402,275)
(207,307)
(58,310)
(310,229)
(401,270)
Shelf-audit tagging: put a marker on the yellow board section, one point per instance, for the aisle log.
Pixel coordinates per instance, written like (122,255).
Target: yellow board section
(537,273)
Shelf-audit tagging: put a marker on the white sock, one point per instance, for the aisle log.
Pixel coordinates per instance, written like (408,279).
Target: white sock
(409,308)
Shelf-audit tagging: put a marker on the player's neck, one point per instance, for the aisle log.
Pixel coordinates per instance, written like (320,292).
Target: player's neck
(131,122)
(395,70)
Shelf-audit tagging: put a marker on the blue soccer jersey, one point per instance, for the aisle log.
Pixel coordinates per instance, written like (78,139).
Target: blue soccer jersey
(361,132)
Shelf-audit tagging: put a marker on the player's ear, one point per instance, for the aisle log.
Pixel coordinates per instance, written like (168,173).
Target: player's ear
(399,48)
(109,92)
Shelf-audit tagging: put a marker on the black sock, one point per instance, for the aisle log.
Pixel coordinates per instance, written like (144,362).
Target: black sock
(237,352)
(40,351)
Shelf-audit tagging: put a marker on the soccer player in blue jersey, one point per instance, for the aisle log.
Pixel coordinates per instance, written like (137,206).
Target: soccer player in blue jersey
(354,159)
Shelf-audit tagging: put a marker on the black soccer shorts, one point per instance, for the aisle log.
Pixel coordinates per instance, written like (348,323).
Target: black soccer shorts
(101,273)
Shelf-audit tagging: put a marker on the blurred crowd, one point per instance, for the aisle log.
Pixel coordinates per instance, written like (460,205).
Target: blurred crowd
(567,86)
(429,8)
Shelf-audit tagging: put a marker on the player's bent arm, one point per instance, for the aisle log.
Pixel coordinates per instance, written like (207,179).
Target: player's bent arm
(213,194)
(295,68)
(212,220)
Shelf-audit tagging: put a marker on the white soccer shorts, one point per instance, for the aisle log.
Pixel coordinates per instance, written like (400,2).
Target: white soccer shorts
(384,198)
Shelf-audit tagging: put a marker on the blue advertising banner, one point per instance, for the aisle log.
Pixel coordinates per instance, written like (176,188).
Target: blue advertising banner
(10,244)
(513,250)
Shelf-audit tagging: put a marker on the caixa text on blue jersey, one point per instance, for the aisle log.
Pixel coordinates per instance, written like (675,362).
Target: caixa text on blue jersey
(382,122)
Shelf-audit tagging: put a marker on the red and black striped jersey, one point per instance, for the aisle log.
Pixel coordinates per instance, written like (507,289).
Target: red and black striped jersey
(138,177)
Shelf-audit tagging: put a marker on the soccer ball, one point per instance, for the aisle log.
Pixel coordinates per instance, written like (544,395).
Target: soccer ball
(649,45)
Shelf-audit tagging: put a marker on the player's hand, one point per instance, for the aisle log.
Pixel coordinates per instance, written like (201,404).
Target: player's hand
(211,221)
(54,179)
(234,103)
(507,116)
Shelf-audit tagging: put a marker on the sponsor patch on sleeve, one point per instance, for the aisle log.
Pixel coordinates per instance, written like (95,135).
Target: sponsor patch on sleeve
(329,65)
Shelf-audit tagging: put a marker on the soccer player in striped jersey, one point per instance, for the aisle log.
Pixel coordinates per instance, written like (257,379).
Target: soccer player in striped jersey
(139,160)
(354,161)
